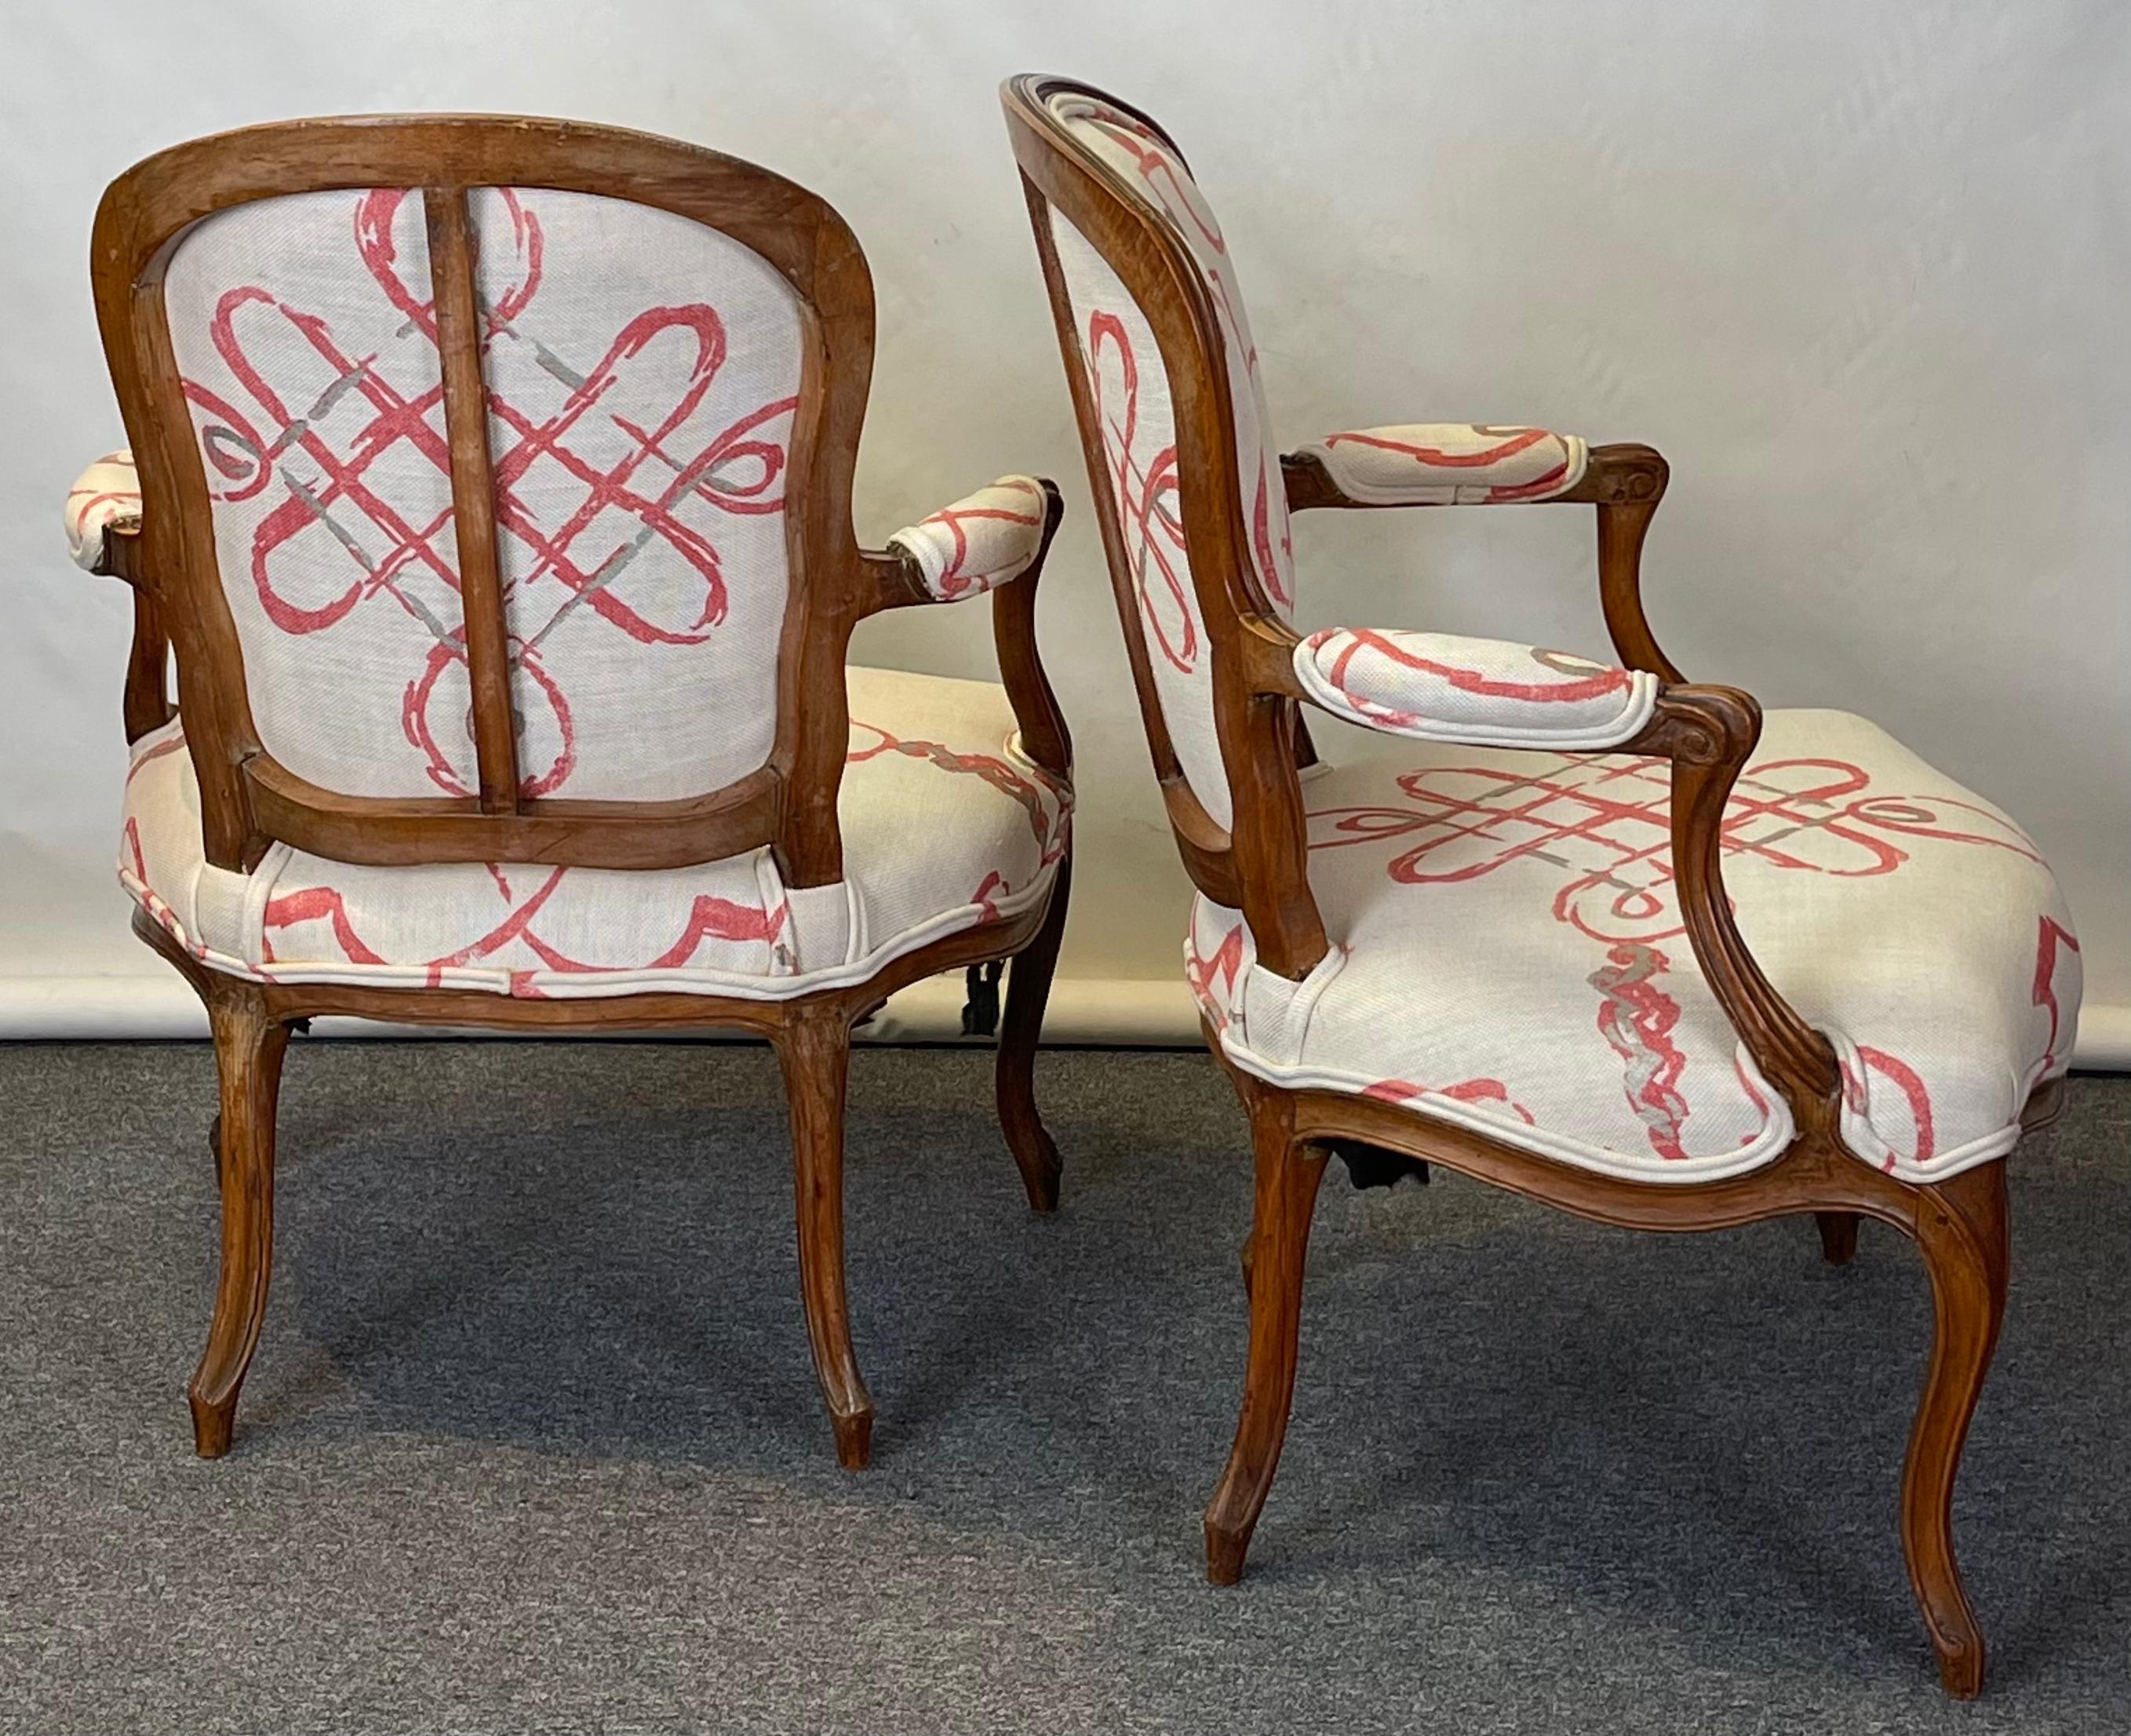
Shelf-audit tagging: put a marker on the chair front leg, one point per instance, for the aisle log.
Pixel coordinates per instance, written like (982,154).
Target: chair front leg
(1028,992)
(814,1048)
(249,1045)
(1960,1228)
(1288,1172)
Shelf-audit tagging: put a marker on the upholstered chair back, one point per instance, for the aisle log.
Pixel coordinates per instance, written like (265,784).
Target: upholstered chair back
(1135,385)
(513,480)
(642,372)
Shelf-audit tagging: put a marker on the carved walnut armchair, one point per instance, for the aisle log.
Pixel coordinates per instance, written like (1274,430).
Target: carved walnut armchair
(493,490)
(1588,931)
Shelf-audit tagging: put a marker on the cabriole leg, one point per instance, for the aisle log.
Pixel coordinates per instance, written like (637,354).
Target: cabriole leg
(1961,1229)
(1288,1173)
(1028,992)
(248,1049)
(814,1050)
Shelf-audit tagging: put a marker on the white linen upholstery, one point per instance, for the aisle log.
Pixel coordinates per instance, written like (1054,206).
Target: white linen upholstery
(944,826)
(1440,686)
(1137,415)
(1451,464)
(642,373)
(107,494)
(1157,177)
(983,540)
(1137,420)
(1507,954)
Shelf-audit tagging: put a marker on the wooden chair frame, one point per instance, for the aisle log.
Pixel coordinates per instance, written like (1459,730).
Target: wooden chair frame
(248,800)
(1259,865)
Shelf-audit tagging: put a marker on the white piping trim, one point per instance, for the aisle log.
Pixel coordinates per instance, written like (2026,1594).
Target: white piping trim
(1641,700)
(600,985)
(1766,1146)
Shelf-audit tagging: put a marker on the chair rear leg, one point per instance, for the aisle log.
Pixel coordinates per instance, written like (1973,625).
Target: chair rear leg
(249,1046)
(1960,1228)
(1028,992)
(1838,1236)
(1288,1173)
(814,1050)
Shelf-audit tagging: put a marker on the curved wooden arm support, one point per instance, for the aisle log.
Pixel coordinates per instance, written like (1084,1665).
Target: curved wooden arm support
(1624,482)
(146,702)
(899,582)
(1708,733)
(1044,737)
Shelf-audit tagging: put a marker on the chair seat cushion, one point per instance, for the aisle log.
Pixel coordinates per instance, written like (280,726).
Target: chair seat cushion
(946,826)
(1508,954)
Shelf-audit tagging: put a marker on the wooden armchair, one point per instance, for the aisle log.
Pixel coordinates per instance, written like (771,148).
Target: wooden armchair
(1515,940)
(494,489)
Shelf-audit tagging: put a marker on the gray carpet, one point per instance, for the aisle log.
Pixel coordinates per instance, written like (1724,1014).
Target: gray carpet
(532,1443)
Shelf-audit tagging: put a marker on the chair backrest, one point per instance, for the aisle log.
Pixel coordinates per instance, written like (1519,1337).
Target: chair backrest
(496,487)
(1188,481)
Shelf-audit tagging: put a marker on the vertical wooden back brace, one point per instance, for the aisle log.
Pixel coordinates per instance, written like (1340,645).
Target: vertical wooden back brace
(473,495)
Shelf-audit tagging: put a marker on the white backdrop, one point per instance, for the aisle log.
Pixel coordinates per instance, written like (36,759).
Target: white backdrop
(1861,269)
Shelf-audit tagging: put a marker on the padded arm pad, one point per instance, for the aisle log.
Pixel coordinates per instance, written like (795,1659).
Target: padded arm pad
(1437,687)
(984,539)
(1451,464)
(107,493)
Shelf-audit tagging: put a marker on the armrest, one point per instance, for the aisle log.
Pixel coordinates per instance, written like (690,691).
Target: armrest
(105,498)
(985,539)
(1436,464)
(1440,686)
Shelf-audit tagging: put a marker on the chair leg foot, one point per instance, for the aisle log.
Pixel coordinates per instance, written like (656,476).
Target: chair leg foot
(1225,1550)
(248,1045)
(853,1437)
(1960,1671)
(814,1050)
(1838,1236)
(1288,1175)
(1028,992)
(214,1423)
(1960,1228)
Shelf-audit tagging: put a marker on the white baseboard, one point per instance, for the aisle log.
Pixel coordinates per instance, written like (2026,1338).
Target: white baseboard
(1129,1012)
(2104,1044)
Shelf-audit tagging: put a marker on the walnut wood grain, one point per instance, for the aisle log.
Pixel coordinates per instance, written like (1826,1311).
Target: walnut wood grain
(1028,993)
(1289,1170)
(405,831)
(249,1043)
(486,640)
(813,1047)
(145,704)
